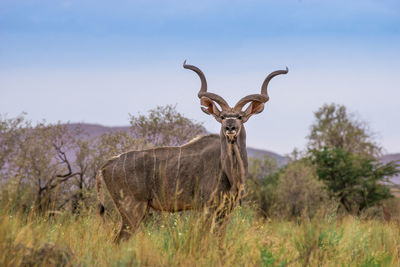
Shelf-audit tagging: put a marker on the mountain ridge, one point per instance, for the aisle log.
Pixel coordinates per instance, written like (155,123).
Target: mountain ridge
(93,130)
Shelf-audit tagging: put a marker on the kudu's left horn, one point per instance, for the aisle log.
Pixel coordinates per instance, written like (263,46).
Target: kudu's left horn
(263,97)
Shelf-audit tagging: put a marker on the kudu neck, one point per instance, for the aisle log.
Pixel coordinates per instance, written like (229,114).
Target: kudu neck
(234,157)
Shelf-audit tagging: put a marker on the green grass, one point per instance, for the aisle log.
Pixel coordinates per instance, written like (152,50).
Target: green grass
(184,240)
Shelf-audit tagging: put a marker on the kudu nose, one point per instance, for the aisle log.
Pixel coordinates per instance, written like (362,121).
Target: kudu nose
(230,128)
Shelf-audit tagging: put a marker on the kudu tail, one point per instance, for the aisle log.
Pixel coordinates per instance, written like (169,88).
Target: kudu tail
(100,194)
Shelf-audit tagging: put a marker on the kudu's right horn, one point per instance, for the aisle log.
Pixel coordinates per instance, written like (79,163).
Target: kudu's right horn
(203,89)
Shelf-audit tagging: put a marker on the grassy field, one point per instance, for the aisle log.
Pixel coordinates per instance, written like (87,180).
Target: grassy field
(182,240)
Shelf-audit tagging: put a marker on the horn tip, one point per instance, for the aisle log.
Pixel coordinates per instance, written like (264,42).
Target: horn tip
(184,63)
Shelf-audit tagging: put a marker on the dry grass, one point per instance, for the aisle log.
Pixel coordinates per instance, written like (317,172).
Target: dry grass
(184,240)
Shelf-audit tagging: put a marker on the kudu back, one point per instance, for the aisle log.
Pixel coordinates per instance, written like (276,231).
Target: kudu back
(185,177)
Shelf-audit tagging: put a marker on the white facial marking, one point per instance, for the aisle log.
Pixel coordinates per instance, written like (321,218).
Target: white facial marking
(231,135)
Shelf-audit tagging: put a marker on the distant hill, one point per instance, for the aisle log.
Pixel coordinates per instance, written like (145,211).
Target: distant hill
(94,130)
(391,157)
(396,158)
(259,153)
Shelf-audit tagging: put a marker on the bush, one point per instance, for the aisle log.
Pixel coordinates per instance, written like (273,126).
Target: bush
(290,192)
(261,184)
(262,194)
(298,191)
(357,181)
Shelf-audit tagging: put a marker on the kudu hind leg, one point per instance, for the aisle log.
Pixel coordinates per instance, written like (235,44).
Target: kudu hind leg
(132,216)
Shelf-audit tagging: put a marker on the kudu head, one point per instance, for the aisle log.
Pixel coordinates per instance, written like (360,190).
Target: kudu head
(232,119)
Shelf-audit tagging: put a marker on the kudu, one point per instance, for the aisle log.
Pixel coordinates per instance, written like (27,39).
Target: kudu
(185,177)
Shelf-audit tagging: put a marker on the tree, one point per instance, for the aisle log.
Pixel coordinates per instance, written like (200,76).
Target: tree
(345,155)
(10,132)
(42,163)
(358,182)
(165,126)
(45,166)
(334,127)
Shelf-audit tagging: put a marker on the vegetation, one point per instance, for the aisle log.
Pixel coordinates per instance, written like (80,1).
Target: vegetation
(339,168)
(261,184)
(164,126)
(299,192)
(55,166)
(356,181)
(345,156)
(330,205)
(335,127)
(179,240)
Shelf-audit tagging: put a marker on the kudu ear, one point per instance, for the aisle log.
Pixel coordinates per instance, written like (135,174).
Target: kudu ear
(209,107)
(255,107)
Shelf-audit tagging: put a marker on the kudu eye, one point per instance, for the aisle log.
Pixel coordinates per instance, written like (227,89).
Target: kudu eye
(240,117)
(222,117)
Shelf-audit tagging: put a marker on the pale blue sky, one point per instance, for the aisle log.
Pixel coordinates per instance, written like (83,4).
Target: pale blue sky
(96,61)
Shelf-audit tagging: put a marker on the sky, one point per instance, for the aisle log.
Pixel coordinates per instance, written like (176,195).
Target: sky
(99,61)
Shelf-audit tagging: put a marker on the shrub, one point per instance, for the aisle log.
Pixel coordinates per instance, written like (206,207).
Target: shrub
(261,184)
(357,181)
(298,191)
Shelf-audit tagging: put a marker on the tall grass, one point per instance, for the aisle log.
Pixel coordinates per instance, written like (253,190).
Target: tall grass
(182,239)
